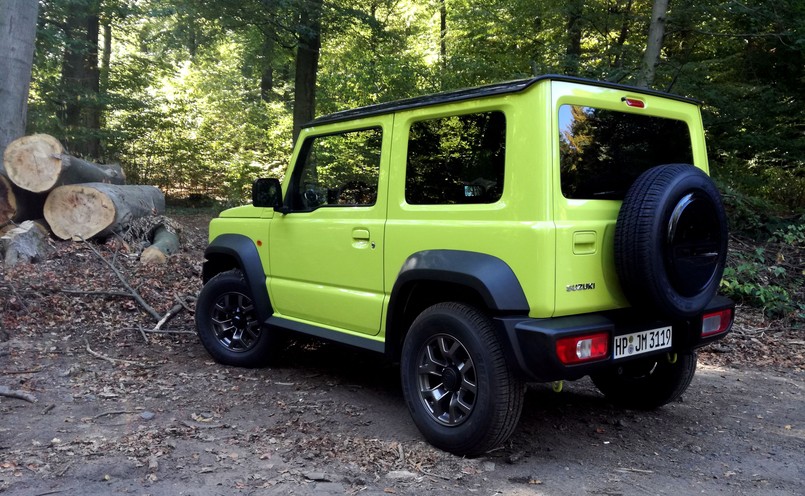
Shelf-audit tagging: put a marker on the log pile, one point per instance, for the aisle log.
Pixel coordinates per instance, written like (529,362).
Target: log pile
(78,199)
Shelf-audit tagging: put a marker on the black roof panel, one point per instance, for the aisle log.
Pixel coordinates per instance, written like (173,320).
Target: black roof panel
(472,93)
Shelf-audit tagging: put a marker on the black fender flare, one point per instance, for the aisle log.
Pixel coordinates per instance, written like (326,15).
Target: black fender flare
(490,277)
(229,251)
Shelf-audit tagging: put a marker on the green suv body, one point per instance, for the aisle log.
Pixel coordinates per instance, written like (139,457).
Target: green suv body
(536,230)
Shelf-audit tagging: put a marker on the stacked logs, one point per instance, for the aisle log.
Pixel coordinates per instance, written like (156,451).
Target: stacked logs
(78,199)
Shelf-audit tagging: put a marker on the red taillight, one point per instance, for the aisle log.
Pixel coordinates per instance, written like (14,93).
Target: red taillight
(716,322)
(634,102)
(582,348)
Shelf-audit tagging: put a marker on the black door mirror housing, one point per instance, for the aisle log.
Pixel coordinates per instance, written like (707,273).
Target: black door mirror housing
(267,192)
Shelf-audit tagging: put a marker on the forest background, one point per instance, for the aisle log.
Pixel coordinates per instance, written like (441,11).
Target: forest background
(201,97)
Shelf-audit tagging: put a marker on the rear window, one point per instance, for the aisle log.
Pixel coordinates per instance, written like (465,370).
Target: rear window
(603,151)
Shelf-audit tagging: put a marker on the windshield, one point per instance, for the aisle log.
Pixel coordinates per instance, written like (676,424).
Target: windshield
(603,151)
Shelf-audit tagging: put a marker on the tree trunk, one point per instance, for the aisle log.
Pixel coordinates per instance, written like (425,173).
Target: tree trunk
(442,33)
(307,64)
(17,36)
(164,244)
(81,211)
(573,49)
(18,205)
(27,243)
(39,163)
(656,33)
(81,77)
(267,73)
(623,35)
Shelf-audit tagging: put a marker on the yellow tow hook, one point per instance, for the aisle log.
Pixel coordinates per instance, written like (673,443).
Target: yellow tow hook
(672,357)
(557,386)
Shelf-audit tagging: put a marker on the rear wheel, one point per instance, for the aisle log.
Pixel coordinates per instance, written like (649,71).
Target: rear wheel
(461,393)
(648,383)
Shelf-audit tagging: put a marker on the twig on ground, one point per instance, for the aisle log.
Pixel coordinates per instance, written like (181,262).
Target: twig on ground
(48,408)
(151,331)
(120,294)
(118,412)
(131,290)
(182,301)
(19,298)
(171,313)
(29,371)
(108,359)
(15,393)
(142,333)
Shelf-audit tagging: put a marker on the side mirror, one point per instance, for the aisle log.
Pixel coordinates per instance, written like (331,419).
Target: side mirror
(267,192)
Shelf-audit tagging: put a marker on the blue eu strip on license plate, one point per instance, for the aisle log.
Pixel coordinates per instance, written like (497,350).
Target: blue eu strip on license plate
(641,342)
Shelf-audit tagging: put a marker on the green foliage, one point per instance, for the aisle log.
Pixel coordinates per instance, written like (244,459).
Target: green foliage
(770,276)
(200,93)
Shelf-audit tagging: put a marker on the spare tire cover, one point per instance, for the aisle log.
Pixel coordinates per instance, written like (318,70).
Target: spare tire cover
(671,241)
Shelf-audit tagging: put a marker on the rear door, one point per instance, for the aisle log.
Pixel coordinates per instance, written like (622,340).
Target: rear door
(604,138)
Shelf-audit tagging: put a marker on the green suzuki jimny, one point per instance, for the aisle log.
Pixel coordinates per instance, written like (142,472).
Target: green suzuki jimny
(530,231)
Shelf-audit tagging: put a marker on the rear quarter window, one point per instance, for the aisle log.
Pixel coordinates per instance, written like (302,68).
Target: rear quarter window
(456,160)
(602,152)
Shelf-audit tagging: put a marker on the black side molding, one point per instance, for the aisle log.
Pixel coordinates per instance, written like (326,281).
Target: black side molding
(229,251)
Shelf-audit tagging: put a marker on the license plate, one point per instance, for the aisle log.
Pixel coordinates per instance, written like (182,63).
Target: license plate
(641,342)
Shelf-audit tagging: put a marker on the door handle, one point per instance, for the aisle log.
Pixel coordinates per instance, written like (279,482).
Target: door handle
(360,234)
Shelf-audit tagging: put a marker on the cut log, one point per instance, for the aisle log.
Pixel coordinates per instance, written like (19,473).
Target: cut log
(27,243)
(18,205)
(8,201)
(165,243)
(39,163)
(83,211)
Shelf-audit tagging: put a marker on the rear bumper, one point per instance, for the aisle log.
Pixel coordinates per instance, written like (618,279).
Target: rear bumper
(532,342)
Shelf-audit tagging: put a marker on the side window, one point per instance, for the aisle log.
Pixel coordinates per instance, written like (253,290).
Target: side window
(456,160)
(338,170)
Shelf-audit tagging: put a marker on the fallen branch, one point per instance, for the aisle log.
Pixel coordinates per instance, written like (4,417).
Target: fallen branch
(15,393)
(120,294)
(148,308)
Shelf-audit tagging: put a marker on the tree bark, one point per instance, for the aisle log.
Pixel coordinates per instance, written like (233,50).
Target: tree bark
(307,64)
(17,36)
(39,163)
(26,243)
(165,243)
(656,33)
(573,49)
(18,205)
(82,211)
(81,77)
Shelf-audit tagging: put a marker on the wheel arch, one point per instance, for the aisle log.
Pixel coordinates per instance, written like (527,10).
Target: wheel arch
(435,276)
(236,251)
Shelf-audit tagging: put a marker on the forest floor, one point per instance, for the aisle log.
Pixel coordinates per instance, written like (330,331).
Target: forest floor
(122,411)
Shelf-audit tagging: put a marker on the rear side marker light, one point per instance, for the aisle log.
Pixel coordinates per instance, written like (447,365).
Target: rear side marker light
(578,349)
(716,322)
(634,102)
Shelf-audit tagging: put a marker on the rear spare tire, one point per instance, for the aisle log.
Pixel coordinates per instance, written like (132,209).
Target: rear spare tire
(671,241)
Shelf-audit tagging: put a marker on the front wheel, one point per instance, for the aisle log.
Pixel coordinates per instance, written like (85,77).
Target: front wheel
(648,383)
(460,391)
(227,323)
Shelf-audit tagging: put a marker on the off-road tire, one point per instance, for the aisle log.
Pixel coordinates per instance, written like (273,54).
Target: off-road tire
(648,383)
(671,241)
(453,350)
(228,325)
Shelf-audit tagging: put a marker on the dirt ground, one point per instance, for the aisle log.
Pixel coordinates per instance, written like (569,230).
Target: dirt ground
(115,414)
